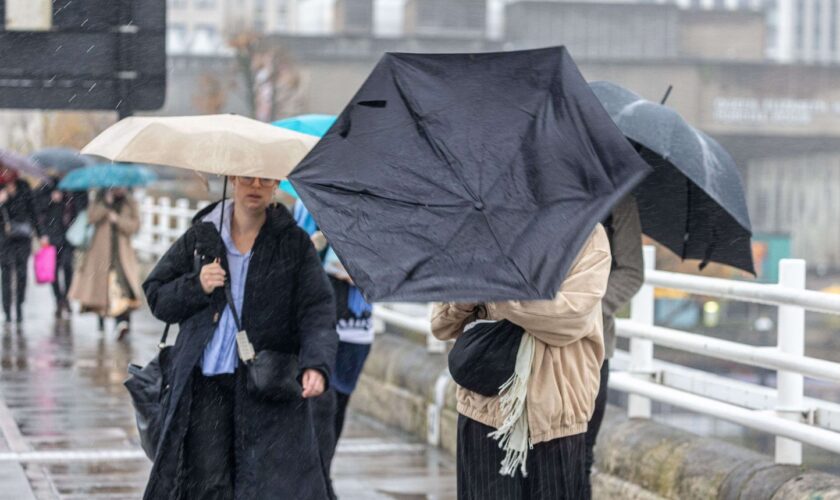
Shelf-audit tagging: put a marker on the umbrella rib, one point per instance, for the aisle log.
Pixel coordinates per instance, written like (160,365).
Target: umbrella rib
(507,257)
(437,148)
(366,192)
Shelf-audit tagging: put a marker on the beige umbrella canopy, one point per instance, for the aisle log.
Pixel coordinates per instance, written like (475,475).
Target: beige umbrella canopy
(214,144)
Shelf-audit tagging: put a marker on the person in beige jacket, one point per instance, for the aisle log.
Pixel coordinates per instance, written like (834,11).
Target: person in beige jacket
(563,349)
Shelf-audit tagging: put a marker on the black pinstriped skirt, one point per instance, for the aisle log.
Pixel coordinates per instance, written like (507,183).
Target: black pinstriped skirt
(556,468)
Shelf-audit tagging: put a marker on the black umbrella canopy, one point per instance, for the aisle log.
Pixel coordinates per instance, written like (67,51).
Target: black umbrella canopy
(694,202)
(61,159)
(472,177)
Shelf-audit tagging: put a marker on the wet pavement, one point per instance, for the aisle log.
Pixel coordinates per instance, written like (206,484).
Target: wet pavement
(68,430)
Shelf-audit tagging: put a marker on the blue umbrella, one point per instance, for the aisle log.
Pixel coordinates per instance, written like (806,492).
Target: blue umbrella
(316,125)
(107,175)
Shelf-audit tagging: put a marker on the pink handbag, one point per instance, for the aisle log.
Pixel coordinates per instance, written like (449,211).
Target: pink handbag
(45,264)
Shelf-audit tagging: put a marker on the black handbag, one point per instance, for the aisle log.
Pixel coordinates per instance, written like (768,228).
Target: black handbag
(484,356)
(271,375)
(148,390)
(16,230)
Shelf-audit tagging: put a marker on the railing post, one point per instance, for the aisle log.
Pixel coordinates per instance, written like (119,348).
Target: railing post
(163,223)
(145,239)
(182,220)
(791,340)
(433,344)
(641,351)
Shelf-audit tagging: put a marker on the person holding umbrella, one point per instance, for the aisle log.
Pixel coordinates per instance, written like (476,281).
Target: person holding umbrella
(19,220)
(624,231)
(108,281)
(255,309)
(58,211)
(556,386)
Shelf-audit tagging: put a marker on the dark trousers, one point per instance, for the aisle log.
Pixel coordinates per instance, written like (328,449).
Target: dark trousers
(341,402)
(595,425)
(63,266)
(209,462)
(13,267)
(555,468)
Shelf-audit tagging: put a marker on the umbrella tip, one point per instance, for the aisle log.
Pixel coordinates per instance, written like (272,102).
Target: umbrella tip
(667,94)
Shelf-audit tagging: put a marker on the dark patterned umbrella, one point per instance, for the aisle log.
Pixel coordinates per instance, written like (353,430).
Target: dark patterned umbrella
(473,177)
(694,202)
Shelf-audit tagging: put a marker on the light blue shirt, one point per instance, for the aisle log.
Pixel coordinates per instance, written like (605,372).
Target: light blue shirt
(220,355)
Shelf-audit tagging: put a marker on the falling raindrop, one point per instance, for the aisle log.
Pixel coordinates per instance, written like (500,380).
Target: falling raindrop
(90,48)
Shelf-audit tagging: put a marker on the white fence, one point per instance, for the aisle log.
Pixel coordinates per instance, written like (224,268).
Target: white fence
(162,222)
(783,412)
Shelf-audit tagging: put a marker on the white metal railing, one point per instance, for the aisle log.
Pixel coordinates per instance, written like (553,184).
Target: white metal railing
(161,223)
(783,412)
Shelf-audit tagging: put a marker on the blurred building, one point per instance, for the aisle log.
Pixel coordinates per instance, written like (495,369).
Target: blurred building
(633,30)
(807,30)
(353,17)
(202,27)
(461,18)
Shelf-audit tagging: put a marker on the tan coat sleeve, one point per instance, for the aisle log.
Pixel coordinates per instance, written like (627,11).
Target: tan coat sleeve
(97,212)
(128,219)
(575,308)
(448,319)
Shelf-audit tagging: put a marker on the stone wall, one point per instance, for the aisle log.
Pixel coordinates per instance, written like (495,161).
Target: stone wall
(637,459)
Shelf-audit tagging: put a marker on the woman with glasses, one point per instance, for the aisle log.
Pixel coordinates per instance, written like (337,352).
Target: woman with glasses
(224,437)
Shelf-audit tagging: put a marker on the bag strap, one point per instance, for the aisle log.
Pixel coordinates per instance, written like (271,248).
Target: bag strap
(232,306)
(243,344)
(162,343)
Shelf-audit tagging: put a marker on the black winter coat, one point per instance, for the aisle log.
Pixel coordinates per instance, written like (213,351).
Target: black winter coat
(288,306)
(19,208)
(56,218)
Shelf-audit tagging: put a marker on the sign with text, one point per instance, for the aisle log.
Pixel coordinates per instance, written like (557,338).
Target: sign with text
(83,54)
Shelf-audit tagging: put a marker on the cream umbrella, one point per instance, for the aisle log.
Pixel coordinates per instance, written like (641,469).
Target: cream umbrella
(213,144)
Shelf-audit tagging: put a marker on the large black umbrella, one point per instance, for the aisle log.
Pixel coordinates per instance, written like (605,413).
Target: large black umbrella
(62,160)
(694,201)
(467,176)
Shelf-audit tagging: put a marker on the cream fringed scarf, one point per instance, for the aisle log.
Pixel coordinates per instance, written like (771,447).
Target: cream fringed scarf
(513,435)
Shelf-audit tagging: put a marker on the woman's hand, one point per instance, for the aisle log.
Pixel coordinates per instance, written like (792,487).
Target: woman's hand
(212,276)
(113,217)
(313,383)
(319,240)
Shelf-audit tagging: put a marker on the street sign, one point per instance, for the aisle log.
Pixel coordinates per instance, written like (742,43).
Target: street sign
(83,54)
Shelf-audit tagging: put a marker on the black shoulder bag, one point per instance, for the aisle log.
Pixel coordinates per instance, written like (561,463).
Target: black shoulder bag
(270,375)
(148,390)
(484,356)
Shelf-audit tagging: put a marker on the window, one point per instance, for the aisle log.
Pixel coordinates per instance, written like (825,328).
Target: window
(800,25)
(205,4)
(282,10)
(176,38)
(817,25)
(177,4)
(832,28)
(206,39)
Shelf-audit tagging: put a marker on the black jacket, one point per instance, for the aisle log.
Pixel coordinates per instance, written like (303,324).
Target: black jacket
(19,208)
(288,307)
(56,218)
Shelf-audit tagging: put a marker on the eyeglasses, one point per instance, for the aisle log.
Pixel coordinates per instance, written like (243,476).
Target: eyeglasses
(261,182)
